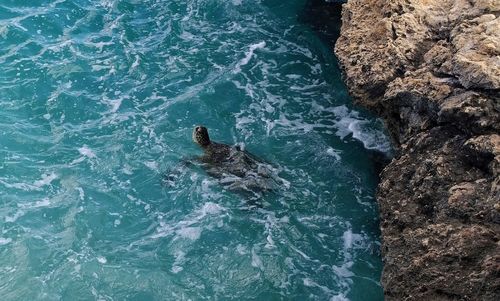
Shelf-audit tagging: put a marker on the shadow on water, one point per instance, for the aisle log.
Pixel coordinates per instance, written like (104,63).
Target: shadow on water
(380,161)
(324,17)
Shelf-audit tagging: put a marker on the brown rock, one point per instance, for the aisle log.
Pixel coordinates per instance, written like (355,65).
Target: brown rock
(476,61)
(431,69)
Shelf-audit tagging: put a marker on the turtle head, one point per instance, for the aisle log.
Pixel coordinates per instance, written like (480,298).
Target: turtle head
(200,136)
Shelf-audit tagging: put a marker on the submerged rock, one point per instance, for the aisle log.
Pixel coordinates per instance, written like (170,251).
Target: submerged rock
(431,69)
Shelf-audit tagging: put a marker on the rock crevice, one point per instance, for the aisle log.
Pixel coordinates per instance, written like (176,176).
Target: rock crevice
(431,69)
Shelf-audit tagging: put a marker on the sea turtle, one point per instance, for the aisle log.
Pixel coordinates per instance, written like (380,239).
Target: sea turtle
(234,168)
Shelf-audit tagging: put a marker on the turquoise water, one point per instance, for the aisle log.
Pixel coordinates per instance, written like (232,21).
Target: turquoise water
(98,100)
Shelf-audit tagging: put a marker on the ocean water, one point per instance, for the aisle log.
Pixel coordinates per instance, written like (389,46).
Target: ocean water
(98,99)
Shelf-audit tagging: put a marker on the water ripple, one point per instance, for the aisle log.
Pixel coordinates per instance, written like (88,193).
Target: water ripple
(98,99)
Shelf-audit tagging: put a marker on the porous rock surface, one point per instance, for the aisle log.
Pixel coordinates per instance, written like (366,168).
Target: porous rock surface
(431,69)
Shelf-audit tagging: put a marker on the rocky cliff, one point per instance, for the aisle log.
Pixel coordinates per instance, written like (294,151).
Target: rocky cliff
(431,69)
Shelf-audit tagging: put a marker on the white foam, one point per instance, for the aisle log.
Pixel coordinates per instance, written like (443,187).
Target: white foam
(179,259)
(78,160)
(151,165)
(347,237)
(311,283)
(43,203)
(241,249)
(345,119)
(343,270)
(243,120)
(339,297)
(115,105)
(334,153)
(188,227)
(270,242)
(100,67)
(192,233)
(135,64)
(4,241)
(87,152)
(4,30)
(304,255)
(45,180)
(361,129)
(22,186)
(308,282)
(11,219)
(81,193)
(127,170)
(352,240)
(371,139)
(210,208)
(102,259)
(248,56)
(176,269)
(256,261)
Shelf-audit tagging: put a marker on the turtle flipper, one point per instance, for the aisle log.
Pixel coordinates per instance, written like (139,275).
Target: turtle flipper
(172,175)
